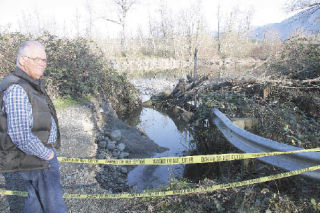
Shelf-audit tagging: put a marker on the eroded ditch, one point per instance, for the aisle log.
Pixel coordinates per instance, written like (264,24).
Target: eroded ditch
(170,134)
(145,133)
(164,131)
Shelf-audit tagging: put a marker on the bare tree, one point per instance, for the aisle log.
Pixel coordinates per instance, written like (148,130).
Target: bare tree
(89,7)
(153,33)
(123,7)
(248,18)
(231,19)
(161,30)
(24,22)
(166,27)
(29,22)
(191,22)
(166,20)
(292,5)
(176,34)
(244,21)
(77,22)
(219,25)
(38,21)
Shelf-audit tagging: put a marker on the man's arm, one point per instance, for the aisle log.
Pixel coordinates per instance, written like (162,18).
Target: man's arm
(19,123)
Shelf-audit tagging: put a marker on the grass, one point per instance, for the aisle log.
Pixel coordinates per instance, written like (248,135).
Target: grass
(62,103)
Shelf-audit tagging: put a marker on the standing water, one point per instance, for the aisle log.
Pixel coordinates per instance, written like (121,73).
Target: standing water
(163,131)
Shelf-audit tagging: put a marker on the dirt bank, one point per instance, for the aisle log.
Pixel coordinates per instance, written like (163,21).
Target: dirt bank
(82,134)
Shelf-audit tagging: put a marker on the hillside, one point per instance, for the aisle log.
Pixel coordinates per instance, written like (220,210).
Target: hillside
(306,21)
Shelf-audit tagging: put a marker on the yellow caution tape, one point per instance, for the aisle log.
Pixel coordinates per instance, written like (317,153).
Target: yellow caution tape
(193,190)
(17,193)
(181,160)
(177,192)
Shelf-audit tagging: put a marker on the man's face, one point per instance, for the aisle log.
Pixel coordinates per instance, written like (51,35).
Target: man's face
(35,63)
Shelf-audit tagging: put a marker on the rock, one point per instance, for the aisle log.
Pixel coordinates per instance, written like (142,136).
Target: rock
(123,170)
(218,206)
(121,146)
(106,133)
(102,144)
(100,137)
(111,145)
(101,156)
(106,138)
(121,180)
(115,135)
(115,153)
(123,155)
(107,109)
(112,168)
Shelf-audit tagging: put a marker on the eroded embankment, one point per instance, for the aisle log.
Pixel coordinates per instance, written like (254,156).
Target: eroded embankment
(85,135)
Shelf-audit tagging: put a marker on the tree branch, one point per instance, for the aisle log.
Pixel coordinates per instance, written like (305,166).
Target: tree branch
(111,20)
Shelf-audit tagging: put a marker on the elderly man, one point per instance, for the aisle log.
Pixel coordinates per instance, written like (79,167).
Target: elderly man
(29,131)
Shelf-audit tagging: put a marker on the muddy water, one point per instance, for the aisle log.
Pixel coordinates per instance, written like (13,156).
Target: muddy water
(162,130)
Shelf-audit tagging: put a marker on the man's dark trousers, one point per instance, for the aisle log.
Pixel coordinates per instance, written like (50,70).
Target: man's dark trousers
(44,189)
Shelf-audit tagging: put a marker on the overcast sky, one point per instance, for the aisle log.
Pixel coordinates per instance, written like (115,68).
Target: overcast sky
(62,15)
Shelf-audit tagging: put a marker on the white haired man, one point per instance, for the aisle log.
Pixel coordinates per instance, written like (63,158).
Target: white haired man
(29,131)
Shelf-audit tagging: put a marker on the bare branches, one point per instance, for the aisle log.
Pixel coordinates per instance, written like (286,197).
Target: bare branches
(111,20)
(293,5)
(123,7)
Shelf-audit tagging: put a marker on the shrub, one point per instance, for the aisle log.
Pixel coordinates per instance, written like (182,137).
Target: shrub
(300,59)
(9,44)
(76,68)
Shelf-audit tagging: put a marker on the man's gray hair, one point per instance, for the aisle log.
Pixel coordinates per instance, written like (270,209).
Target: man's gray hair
(24,48)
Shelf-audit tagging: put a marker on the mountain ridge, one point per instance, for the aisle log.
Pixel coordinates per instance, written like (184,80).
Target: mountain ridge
(306,22)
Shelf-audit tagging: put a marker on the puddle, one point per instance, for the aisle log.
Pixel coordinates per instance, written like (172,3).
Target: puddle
(163,131)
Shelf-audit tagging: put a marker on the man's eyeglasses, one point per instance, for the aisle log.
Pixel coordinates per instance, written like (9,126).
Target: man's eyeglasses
(38,60)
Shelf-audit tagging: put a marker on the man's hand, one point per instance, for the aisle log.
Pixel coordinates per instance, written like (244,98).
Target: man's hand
(51,156)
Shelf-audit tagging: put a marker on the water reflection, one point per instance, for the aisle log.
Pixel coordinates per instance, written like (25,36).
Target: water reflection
(163,131)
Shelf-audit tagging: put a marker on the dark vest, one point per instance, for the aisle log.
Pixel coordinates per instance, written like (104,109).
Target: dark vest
(12,158)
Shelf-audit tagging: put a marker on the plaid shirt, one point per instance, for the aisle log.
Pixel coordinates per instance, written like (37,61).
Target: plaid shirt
(20,122)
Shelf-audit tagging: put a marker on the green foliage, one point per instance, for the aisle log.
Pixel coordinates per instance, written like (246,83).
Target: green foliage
(315,205)
(9,44)
(72,66)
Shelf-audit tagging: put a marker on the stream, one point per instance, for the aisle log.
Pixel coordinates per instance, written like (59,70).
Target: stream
(164,131)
